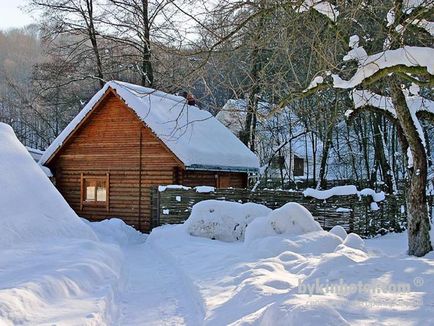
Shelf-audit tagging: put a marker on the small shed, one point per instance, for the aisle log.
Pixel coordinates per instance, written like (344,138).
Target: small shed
(128,139)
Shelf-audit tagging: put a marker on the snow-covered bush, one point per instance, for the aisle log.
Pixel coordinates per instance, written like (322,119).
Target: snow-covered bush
(259,228)
(292,218)
(355,241)
(339,231)
(222,220)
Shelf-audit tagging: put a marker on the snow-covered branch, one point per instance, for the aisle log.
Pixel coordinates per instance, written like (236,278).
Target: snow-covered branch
(409,56)
(323,7)
(363,98)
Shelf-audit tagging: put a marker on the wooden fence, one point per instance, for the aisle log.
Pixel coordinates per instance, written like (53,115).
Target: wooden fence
(353,212)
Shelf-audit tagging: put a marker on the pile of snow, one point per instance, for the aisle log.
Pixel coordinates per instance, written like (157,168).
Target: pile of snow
(63,282)
(290,228)
(312,243)
(266,232)
(278,314)
(115,231)
(291,219)
(222,220)
(31,209)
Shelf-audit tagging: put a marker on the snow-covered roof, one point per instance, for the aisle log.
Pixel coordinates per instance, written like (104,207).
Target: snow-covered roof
(198,139)
(35,153)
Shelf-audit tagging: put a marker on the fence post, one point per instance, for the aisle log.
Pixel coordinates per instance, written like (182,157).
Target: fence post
(155,200)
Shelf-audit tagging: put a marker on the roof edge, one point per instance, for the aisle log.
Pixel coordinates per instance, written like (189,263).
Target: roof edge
(217,168)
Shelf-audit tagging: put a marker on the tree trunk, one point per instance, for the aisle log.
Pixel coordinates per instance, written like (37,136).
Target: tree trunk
(350,147)
(419,242)
(380,157)
(94,42)
(147,70)
(249,133)
(324,157)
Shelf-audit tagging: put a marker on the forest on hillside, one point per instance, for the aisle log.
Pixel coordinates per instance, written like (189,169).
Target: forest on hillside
(276,63)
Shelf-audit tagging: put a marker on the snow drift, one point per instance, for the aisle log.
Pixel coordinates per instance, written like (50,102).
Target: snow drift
(31,209)
(54,269)
(266,281)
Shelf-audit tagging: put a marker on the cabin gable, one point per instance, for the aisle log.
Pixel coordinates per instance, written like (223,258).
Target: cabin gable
(114,142)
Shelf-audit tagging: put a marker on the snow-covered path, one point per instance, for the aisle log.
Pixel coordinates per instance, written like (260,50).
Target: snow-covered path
(153,292)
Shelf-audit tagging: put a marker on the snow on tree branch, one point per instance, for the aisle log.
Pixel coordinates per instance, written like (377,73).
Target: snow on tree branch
(323,7)
(425,24)
(370,65)
(409,56)
(362,98)
(409,5)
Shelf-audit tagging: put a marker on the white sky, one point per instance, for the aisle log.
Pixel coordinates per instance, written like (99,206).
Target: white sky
(12,16)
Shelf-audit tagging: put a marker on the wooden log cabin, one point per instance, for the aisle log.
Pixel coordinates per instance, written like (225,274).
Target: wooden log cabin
(128,139)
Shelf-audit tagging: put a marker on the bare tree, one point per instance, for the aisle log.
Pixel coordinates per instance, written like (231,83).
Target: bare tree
(70,26)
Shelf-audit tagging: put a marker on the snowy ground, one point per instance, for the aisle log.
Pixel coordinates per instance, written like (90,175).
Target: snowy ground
(262,268)
(243,285)
(173,278)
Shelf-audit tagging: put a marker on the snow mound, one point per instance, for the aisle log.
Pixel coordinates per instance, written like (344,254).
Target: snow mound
(312,243)
(222,220)
(70,282)
(292,218)
(355,241)
(31,209)
(339,231)
(287,314)
(115,231)
(290,228)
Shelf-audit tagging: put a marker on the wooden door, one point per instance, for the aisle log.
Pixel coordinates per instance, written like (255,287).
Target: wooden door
(224,181)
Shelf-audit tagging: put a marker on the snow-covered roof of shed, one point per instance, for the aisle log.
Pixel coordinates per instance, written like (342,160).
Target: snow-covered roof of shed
(35,153)
(198,139)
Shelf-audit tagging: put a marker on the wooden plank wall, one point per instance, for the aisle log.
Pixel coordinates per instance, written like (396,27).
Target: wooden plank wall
(174,206)
(209,178)
(110,142)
